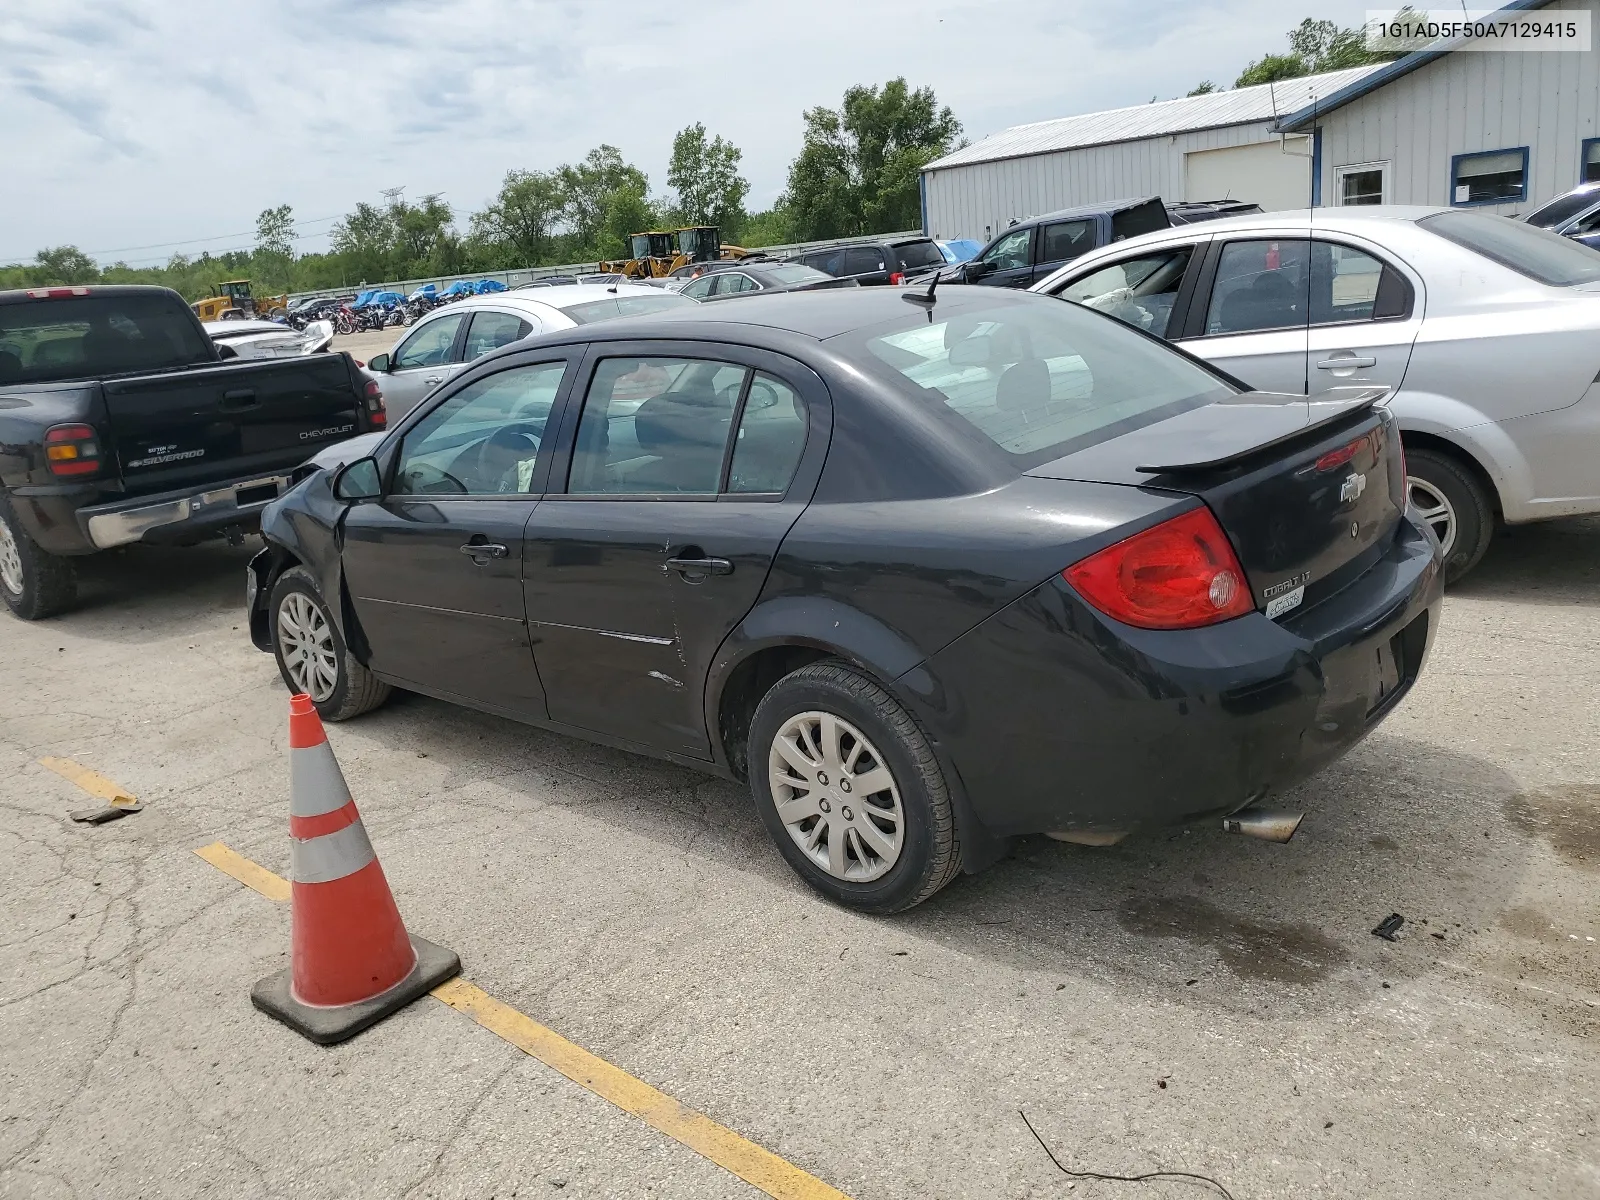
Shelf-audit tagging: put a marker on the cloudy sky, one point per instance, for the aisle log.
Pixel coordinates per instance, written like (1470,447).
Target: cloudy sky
(132,125)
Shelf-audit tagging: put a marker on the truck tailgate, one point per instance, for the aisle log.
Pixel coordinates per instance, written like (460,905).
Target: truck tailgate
(194,426)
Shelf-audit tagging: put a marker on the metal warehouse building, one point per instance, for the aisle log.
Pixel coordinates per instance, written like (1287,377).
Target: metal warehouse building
(1503,130)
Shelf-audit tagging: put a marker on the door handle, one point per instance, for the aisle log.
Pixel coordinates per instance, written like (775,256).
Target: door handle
(699,566)
(434,380)
(1347,363)
(239,400)
(482,551)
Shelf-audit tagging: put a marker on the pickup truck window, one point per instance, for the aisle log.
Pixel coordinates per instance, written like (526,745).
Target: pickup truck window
(92,337)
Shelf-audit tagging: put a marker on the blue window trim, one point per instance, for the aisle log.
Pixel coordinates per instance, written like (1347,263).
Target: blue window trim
(1455,163)
(1583,155)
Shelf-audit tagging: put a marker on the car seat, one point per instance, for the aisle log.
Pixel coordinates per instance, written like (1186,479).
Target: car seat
(687,431)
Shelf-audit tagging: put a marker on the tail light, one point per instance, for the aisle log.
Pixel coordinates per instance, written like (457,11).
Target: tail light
(377,415)
(56,293)
(1180,574)
(71,450)
(897,277)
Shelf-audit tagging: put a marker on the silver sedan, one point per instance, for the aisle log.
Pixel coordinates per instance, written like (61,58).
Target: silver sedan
(448,338)
(1486,329)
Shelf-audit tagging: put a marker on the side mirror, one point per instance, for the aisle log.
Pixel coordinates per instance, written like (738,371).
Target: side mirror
(225,352)
(976,269)
(358,481)
(379,363)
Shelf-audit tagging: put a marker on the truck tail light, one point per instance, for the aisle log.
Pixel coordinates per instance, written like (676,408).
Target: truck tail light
(896,277)
(56,293)
(1180,574)
(377,414)
(71,450)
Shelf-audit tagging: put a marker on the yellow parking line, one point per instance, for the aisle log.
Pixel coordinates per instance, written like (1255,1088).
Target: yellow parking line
(90,781)
(757,1166)
(252,875)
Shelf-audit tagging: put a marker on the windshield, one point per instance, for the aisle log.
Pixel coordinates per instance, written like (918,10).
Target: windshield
(920,254)
(625,306)
(90,337)
(794,273)
(1536,253)
(1038,381)
(1563,208)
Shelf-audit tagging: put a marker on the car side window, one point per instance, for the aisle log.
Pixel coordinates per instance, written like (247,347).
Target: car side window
(862,260)
(483,440)
(491,330)
(1344,284)
(829,262)
(655,426)
(1010,251)
(1138,291)
(430,343)
(1066,240)
(772,434)
(1260,285)
(736,282)
(699,289)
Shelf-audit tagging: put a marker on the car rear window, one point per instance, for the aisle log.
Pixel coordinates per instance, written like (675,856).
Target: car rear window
(1563,208)
(1034,380)
(920,254)
(1141,218)
(1537,253)
(624,306)
(91,337)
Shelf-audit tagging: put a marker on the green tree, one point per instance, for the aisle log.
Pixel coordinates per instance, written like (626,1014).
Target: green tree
(586,189)
(274,255)
(520,222)
(364,238)
(1270,68)
(63,265)
(1314,46)
(858,167)
(1204,88)
(705,176)
(770,228)
(627,211)
(424,236)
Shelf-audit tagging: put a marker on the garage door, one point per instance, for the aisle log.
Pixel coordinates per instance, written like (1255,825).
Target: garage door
(1263,174)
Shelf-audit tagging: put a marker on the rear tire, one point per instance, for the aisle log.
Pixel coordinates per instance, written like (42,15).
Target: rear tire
(1448,497)
(34,583)
(897,840)
(311,652)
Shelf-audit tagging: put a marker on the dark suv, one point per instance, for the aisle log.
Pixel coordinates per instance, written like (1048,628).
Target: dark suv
(870,263)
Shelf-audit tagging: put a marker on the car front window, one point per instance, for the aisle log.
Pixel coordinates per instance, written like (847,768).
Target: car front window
(1138,291)
(1010,251)
(430,344)
(484,440)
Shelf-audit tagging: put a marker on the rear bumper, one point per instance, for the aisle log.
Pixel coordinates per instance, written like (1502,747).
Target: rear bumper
(1062,720)
(180,518)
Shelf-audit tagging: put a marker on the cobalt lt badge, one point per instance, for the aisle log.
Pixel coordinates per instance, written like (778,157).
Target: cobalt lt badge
(1353,487)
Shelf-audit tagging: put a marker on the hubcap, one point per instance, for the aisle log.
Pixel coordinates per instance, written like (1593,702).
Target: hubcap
(306,642)
(1433,507)
(10,560)
(836,797)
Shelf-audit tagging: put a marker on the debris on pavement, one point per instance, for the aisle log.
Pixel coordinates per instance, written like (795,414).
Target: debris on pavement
(111,812)
(1389,926)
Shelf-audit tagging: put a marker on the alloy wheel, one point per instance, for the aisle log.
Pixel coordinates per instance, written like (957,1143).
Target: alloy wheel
(306,642)
(1434,509)
(836,796)
(10,560)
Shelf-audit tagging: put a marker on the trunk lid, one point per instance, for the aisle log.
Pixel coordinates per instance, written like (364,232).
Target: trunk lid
(1310,492)
(219,422)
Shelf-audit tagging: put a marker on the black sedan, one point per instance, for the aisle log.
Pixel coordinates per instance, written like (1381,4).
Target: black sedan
(929,572)
(747,279)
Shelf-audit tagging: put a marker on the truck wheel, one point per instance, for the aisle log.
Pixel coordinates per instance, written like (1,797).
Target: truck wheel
(311,652)
(33,583)
(1448,498)
(851,791)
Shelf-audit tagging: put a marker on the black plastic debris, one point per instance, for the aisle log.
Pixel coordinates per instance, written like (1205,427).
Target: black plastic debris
(111,812)
(1389,926)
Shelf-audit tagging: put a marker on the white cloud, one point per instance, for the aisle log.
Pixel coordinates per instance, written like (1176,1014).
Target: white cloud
(138,123)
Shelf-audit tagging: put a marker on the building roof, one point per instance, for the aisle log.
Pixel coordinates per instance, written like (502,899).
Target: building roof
(1240,106)
(1307,113)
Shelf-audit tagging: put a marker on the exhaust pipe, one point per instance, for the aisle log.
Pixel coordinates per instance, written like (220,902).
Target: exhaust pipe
(1264,823)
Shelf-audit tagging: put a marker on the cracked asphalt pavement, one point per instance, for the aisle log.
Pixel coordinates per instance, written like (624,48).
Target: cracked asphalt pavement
(1186,1002)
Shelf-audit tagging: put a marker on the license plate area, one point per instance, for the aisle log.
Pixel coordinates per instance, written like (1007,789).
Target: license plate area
(258,494)
(1396,663)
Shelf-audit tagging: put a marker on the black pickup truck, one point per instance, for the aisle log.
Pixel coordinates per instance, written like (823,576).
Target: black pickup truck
(121,421)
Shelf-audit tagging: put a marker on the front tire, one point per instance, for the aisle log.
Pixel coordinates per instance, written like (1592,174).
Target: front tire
(33,582)
(1449,499)
(851,791)
(311,652)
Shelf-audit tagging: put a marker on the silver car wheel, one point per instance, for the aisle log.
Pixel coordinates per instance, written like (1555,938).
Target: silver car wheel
(836,796)
(10,560)
(306,642)
(1434,509)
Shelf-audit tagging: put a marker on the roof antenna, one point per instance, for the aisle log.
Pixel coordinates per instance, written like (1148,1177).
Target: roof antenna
(924,299)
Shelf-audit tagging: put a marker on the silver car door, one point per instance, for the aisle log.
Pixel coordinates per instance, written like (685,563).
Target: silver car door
(1254,318)
(425,359)
(1365,314)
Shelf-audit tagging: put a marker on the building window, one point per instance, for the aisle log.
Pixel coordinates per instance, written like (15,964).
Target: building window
(1363,183)
(1589,161)
(1493,177)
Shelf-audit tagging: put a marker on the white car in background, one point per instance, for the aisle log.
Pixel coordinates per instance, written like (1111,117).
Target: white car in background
(268,339)
(448,338)
(1487,330)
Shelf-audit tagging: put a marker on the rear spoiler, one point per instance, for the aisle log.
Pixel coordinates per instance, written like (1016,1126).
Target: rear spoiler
(1241,441)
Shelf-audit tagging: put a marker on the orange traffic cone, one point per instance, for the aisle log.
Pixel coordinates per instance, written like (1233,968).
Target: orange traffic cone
(351,962)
